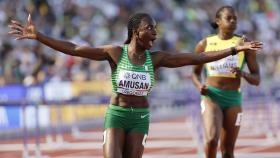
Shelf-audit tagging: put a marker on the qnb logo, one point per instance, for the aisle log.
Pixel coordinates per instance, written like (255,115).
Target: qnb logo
(127,75)
(138,76)
(134,76)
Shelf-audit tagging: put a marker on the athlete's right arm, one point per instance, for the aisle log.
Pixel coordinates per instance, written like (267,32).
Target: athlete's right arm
(29,32)
(197,69)
(100,53)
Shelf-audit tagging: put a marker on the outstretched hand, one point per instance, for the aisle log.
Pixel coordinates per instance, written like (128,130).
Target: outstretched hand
(252,45)
(23,32)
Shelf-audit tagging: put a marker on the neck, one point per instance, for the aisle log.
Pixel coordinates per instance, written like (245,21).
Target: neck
(225,35)
(134,50)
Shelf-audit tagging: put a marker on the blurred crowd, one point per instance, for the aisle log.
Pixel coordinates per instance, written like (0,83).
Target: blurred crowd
(181,24)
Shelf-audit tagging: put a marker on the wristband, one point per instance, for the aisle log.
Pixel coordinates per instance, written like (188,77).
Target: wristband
(233,51)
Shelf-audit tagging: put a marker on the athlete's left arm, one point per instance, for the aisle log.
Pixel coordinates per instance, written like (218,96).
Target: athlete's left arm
(254,76)
(173,60)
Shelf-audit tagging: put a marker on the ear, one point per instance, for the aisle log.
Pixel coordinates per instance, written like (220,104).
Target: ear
(136,33)
(217,20)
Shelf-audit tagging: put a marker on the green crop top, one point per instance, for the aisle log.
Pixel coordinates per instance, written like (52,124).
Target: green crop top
(131,79)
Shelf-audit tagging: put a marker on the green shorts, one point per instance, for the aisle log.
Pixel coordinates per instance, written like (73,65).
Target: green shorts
(129,119)
(224,98)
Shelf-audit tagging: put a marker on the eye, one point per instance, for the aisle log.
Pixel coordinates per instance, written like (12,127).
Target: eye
(150,27)
(229,18)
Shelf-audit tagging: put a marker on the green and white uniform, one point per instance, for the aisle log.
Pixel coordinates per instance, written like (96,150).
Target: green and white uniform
(221,68)
(130,79)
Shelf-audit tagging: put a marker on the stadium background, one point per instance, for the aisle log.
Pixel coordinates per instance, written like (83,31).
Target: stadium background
(41,88)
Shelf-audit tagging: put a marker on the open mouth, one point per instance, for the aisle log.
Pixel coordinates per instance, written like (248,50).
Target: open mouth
(151,42)
(233,26)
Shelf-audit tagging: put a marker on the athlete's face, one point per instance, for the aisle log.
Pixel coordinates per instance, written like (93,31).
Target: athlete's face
(227,20)
(146,33)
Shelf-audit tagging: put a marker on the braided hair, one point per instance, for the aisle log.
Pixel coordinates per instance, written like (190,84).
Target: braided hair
(219,13)
(133,23)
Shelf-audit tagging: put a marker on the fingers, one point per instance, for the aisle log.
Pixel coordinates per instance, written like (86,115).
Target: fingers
(204,90)
(256,45)
(243,38)
(22,32)
(15,32)
(29,19)
(21,37)
(16,23)
(234,70)
(253,45)
(16,27)
(203,87)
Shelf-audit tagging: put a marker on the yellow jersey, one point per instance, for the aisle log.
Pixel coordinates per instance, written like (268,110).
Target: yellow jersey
(221,68)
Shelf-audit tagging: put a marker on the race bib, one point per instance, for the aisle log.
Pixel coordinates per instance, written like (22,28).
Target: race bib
(223,66)
(133,83)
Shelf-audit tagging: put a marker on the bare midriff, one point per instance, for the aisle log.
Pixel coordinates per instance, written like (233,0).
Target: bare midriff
(224,83)
(129,101)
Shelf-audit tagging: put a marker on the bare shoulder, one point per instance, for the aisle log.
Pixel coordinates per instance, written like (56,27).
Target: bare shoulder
(157,57)
(158,54)
(114,51)
(111,48)
(201,45)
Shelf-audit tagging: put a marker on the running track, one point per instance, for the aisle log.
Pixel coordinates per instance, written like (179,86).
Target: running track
(173,138)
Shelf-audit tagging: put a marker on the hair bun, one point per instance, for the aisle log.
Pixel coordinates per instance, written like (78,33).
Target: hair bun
(214,25)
